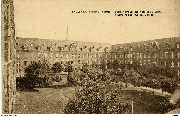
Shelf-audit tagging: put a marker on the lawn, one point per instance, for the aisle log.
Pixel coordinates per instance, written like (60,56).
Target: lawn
(53,100)
(43,100)
(146,102)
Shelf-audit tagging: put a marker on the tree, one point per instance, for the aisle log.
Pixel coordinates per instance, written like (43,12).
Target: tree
(103,65)
(38,73)
(115,64)
(97,95)
(57,67)
(70,77)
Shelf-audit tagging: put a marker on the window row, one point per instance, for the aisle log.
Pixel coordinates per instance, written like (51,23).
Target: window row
(148,55)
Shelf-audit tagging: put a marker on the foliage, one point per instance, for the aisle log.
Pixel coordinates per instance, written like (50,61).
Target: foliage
(68,68)
(140,77)
(112,65)
(57,67)
(96,94)
(103,65)
(38,73)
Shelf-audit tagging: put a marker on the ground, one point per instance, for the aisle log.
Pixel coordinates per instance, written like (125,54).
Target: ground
(44,100)
(53,100)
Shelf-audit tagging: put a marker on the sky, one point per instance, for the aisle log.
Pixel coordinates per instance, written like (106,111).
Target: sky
(49,19)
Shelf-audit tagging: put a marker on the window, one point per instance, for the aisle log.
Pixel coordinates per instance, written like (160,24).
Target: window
(131,62)
(25,63)
(165,54)
(154,63)
(172,55)
(18,63)
(137,55)
(165,63)
(79,55)
(39,55)
(149,62)
(140,55)
(144,62)
(131,49)
(161,63)
(56,55)
(17,55)
(178,54)
(177,45)
(172,64)
(45,55)
(144,55)
(178,64)
(155,56)
(79,61)
(72,56)
(18,71)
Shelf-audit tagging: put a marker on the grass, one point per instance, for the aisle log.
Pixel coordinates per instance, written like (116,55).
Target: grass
(146,102)
(53,100)
(44,101)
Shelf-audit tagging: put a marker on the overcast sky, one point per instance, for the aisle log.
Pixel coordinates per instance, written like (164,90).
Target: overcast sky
(48,19)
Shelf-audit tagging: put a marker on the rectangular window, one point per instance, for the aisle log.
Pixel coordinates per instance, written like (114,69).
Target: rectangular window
(172,55)
(18,71)
(144,55)
(165,54)
(18,56)
(45,55)
(165,63)
(79,61)
(56,55)
(155,56)
(172,64)
(18,63)
(178,54)
(25,63)
(178,64)
(140,55)
(177,45)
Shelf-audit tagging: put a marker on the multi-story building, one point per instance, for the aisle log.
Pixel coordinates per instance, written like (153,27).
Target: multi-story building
(62,51)
(8,57)
(164,53)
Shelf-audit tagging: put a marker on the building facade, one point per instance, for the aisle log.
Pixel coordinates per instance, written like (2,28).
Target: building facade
(164,53)
(62,51)
(8,57)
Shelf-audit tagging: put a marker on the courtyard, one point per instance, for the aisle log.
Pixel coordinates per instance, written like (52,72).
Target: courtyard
(52,100)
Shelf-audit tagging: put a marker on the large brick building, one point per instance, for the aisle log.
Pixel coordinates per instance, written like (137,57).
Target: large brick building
(8,57)
(164,53)
(62,51)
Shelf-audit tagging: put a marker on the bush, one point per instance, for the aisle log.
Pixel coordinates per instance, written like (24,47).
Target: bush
(38,73)
(57,67)
(97,94)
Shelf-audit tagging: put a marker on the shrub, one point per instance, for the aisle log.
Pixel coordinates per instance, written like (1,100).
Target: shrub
(57,67)
(38,73)
(97,94)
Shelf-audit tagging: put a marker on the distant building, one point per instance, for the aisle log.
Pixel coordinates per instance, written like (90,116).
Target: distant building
(164,53)
(63,51)
(8,57)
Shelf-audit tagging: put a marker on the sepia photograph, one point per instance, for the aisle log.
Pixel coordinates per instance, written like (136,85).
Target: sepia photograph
(90,56)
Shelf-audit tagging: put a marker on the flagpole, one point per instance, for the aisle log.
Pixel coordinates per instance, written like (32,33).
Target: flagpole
(67,34)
